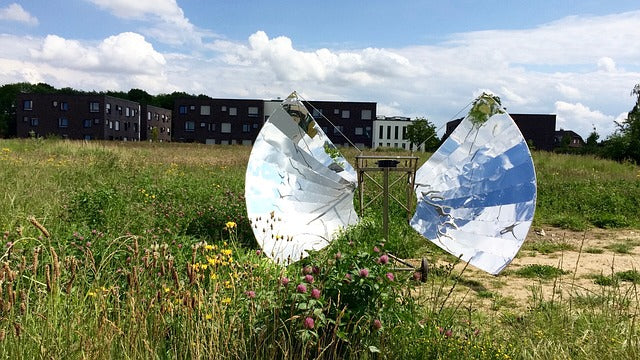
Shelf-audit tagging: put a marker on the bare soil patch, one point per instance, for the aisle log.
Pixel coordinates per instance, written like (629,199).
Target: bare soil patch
(584,256)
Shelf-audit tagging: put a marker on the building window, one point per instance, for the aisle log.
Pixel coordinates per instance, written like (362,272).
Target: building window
(117,126)
(396,133)
(255,126)
(35,122)
(110,124)
(246,128)
(212,127)
(94,107)
(25,119)
(404,133)
(225,127)
(325,129)
(182,109)
(192,107)
(388,132)
(107,108)
(233,111)
(223,108)
(205,110)
(64,106)
(359,131)
(87,137)
(63,122)
(337,129)
(87,123)
(96,121)
(404,145)
(127,111)
(336,111)
(27,105)
(317,113)
(54,103)
(365,115)
(203,124)
(381,133)
(346,114)
(253,111)
(189,126)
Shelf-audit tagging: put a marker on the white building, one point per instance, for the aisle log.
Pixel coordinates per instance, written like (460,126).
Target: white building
(391,132)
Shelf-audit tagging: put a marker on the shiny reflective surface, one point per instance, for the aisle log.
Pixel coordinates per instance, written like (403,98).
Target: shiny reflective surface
(477,193)
(298,188)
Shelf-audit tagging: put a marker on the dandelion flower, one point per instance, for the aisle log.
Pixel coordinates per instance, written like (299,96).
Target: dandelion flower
(226,301)
(230,225)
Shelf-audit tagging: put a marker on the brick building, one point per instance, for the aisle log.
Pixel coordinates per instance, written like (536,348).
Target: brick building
(537,129)
(155,123)
(217,121)
(69,116)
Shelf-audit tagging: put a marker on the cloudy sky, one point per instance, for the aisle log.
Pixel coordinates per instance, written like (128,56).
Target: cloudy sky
(578,59)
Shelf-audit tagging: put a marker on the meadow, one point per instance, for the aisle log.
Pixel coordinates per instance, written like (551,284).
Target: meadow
(144,251)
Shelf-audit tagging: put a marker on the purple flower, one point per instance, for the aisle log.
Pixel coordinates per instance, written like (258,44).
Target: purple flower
(364,273)
(308,278)
(390,276)
(258,252)
(338,255)
(309,323)
(377,324)
(307,270)
(448,333)
(316,270)
(376,249)
(284,281)
(301,289)
(417,276)
(347,277)
(315,293)
(384,259)
(250,294)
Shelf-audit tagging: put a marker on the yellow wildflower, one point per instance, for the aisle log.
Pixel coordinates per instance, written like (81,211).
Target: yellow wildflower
(230,225)
(208,247)
(91,293)
(227,252)
(203,266)
(208,316)
(214,276)
(167,289)
(7,150)
(226,301)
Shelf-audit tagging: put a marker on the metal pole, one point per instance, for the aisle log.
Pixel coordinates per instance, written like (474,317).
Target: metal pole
(385,203)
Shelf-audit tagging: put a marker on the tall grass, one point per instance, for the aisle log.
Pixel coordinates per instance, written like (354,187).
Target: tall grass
(135,250)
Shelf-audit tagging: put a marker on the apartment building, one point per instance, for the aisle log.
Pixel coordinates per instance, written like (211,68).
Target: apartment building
(391,132)
(342,120)
(70,116)
(155,123)
(217,121)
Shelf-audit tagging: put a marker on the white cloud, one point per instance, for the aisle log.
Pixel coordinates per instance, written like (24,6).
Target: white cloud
(606,64)
(582,119)
(126,52)
(165,20)
(15,12)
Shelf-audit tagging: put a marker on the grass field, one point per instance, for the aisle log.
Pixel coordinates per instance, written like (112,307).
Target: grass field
(138,250)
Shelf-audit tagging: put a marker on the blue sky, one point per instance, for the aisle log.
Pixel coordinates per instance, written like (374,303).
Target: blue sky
(576,59)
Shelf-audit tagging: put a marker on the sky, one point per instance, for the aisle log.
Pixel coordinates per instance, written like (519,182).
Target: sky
(578,59)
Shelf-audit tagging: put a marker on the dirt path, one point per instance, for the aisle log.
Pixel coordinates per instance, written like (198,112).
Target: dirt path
(585,255)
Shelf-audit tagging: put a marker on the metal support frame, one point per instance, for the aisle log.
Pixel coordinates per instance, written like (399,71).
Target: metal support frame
(406,167)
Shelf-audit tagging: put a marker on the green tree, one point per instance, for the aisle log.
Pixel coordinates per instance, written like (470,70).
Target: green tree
(422,131)
(624,144)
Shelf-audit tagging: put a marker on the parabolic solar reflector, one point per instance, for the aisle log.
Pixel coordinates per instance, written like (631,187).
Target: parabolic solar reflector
(298,188)
(477,192)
